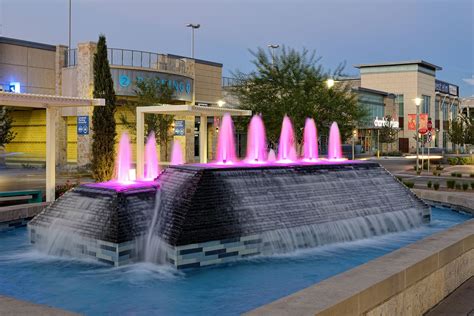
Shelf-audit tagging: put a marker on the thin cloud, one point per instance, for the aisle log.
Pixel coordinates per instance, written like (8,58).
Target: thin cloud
(469,81)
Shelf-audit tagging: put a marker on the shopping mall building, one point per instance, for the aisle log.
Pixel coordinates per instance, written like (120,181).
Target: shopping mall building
(391,89)
(36,68)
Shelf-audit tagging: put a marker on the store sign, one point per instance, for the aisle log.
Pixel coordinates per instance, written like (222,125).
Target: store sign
(179,127)
(14,87)
(83,125)
(383,122)
(446,88)
(125,82)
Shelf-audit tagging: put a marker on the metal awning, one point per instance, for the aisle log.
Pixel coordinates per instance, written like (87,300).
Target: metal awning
(168,109)
(52,104)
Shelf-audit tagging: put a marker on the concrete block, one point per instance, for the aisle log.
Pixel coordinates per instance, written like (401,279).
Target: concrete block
(450,253)
(421,269)
(380,292)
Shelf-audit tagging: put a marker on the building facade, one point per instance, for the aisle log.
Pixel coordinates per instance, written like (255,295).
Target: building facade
(30,67)
(407,81)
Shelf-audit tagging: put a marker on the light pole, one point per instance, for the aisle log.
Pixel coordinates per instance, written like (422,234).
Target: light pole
(193,27)
(69,38)
(417,103)
(272,49)
(330,83)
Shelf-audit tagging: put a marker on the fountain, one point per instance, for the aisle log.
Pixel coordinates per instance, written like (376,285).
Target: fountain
(226,143)
(176,154)
(205,214)
(310,141)
(256,141)
(151,158)
(286,146)
(124,158)
(334,145)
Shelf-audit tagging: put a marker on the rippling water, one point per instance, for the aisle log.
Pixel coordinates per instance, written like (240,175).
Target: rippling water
(147,289)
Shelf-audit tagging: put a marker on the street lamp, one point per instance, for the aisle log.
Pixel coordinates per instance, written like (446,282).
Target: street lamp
(272,48)
(330,83)
(193,27)
(417,103)
(220,103)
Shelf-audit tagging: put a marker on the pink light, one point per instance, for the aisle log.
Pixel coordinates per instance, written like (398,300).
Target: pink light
(286,146)
(334,146)
(176,154)
(271,156)
(256,141)
(152,170)
(310,139)
(225,143)
(124,158)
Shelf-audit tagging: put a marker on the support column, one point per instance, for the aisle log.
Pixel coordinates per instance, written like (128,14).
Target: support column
(51,118)
(140,143)
(203,140)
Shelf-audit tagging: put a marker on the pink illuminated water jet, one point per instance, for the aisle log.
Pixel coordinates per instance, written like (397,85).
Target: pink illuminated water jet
(334,145)
(226,143)
(271,156)
(124,159)
(176,154)
(286,146)
(310,140)
(256,141)
(151,158)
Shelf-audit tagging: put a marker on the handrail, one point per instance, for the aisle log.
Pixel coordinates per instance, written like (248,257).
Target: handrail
(139,59)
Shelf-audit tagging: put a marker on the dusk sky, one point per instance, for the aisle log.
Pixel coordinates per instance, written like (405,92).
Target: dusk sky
(440,32)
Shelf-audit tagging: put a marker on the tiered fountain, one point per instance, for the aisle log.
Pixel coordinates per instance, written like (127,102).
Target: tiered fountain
(204,214)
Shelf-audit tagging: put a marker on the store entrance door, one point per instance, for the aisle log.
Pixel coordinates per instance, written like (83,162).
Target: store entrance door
(403,145)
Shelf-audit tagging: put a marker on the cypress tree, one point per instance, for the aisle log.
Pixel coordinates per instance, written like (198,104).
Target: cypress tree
(103,119)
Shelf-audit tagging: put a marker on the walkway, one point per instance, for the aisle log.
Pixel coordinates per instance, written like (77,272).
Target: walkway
(460,302)
(12,307)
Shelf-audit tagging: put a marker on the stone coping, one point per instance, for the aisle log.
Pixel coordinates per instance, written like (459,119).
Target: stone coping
(367,286)
(11,306)
(21,211)
(463,200)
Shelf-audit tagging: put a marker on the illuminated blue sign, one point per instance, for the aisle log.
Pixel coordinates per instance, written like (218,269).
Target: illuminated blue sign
(14,87)
(179,127)
(124,81)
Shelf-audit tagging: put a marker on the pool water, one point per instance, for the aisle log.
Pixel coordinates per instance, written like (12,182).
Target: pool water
(146,289)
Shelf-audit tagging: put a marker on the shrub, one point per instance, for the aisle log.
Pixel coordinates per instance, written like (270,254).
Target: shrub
(465,186)
(436,186)
(395,154)
(439,167)
(458,186)
(436,173)
(453,174)
(399,178)
(429,184)
(450,184)
(409,184)
(472,175)
(452,161)
(459,175)
(458,161)
(472,185)
(418,172)
(63,188)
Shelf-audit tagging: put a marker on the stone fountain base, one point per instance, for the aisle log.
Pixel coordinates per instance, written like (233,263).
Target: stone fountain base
(210,215)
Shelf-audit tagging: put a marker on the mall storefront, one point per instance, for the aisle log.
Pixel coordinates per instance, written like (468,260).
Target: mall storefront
(31,67)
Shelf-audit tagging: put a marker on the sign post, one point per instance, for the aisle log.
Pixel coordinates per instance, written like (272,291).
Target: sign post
(430,128)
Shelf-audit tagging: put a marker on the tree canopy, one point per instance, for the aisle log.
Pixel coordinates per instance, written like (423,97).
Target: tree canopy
(294,83)
(6,133)
(149,92)
(103,120)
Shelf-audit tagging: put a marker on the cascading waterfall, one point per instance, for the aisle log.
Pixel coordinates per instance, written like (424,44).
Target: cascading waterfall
(153,248)
(256,141)
(226,143)
(286,146)
(124,159)
(310,141)
(334,145)
(151,158)
(176,154)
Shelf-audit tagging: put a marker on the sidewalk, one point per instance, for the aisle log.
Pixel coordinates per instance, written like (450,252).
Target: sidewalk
(459,302)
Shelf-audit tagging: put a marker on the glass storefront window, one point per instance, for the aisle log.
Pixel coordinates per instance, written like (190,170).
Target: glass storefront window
(399,101)
(374,106)
(426,105)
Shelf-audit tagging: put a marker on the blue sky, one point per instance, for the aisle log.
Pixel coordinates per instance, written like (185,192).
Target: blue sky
(358,31)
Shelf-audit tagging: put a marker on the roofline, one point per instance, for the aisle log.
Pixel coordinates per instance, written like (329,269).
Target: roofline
(199,61)
(372,91)
(406,62)
(18,42)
